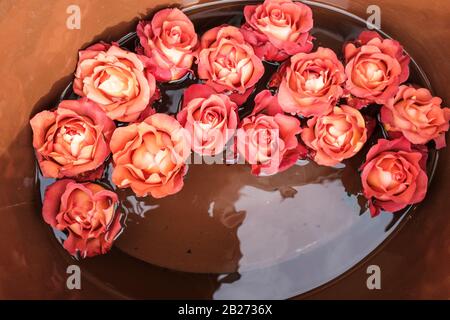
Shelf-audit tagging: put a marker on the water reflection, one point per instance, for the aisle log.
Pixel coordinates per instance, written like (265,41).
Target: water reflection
(230,220)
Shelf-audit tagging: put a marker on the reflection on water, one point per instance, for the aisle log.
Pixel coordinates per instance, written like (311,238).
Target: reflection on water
(229,220)
(298,224)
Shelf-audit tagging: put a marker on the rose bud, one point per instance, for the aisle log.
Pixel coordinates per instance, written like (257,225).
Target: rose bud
(170,43)
(335,136)
(393,175)
(417,115)
(210,118)
(278,29)
(73,140)
(311,85)
(86,212)
(115,79)
(228,63)
(375,68)
(267,138)
(150,156)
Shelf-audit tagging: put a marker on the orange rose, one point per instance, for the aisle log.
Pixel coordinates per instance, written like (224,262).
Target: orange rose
(267,138)
(228,63)
(115,79)
(394,176)
(210,118)
(311,84)
(86,212)
(73,140)
(335,136)
(417,115)
(375,68)
(150,156)
(170,43)
(278,29)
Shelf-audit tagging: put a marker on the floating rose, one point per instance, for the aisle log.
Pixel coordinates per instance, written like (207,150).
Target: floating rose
(115,79)
(73,140)
(210,118)
(228,63)
(375,68)
(311,84)
(150,156)
(417,115)
(335,136)
(86,212)
(170,43)
(278,29)
(393,175)
(267,138)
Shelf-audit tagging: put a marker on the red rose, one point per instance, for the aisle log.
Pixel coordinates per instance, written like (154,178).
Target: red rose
(335,136)
(278,29)
(375,68)
(149,157)
(115,79)
(417,115)
(73,140)
(393,175)
(170,43)
(210,118)
(86,212)
(267,138)
(228,63)
(311,85)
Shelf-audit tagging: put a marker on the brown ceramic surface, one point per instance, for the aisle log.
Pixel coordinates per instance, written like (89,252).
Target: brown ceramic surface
(38,57)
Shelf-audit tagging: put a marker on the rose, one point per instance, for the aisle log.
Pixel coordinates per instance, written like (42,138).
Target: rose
(312,82)
(393,175)
(417,115)
(115,79)
(278,29)
(170,43)
(86,212)
(210,118)
(335,136)
(150,156)
(73,140)
(267,138)
(228,63)
(375,67)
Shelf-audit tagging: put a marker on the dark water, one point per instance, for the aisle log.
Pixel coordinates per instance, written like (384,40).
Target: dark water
(233,235)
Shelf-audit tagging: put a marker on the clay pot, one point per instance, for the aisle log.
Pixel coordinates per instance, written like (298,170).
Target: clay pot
(38,57)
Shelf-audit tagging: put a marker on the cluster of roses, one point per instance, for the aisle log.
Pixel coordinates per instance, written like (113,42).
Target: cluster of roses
(149,153)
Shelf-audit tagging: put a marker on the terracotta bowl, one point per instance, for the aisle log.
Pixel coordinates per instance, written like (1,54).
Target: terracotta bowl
(38,54)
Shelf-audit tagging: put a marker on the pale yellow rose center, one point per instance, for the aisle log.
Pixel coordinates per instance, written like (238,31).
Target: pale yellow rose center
(74,139)
(314,83)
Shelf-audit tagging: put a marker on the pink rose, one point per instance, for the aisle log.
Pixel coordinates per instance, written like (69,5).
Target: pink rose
(210,118)
(278,29)
(86,212)
(417,115)
(267,138)
(73,140)
(149,157)
(335,136)
(394,176)
(375,68)
(170,43)
(311,85)
(228,63)
(115,79)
